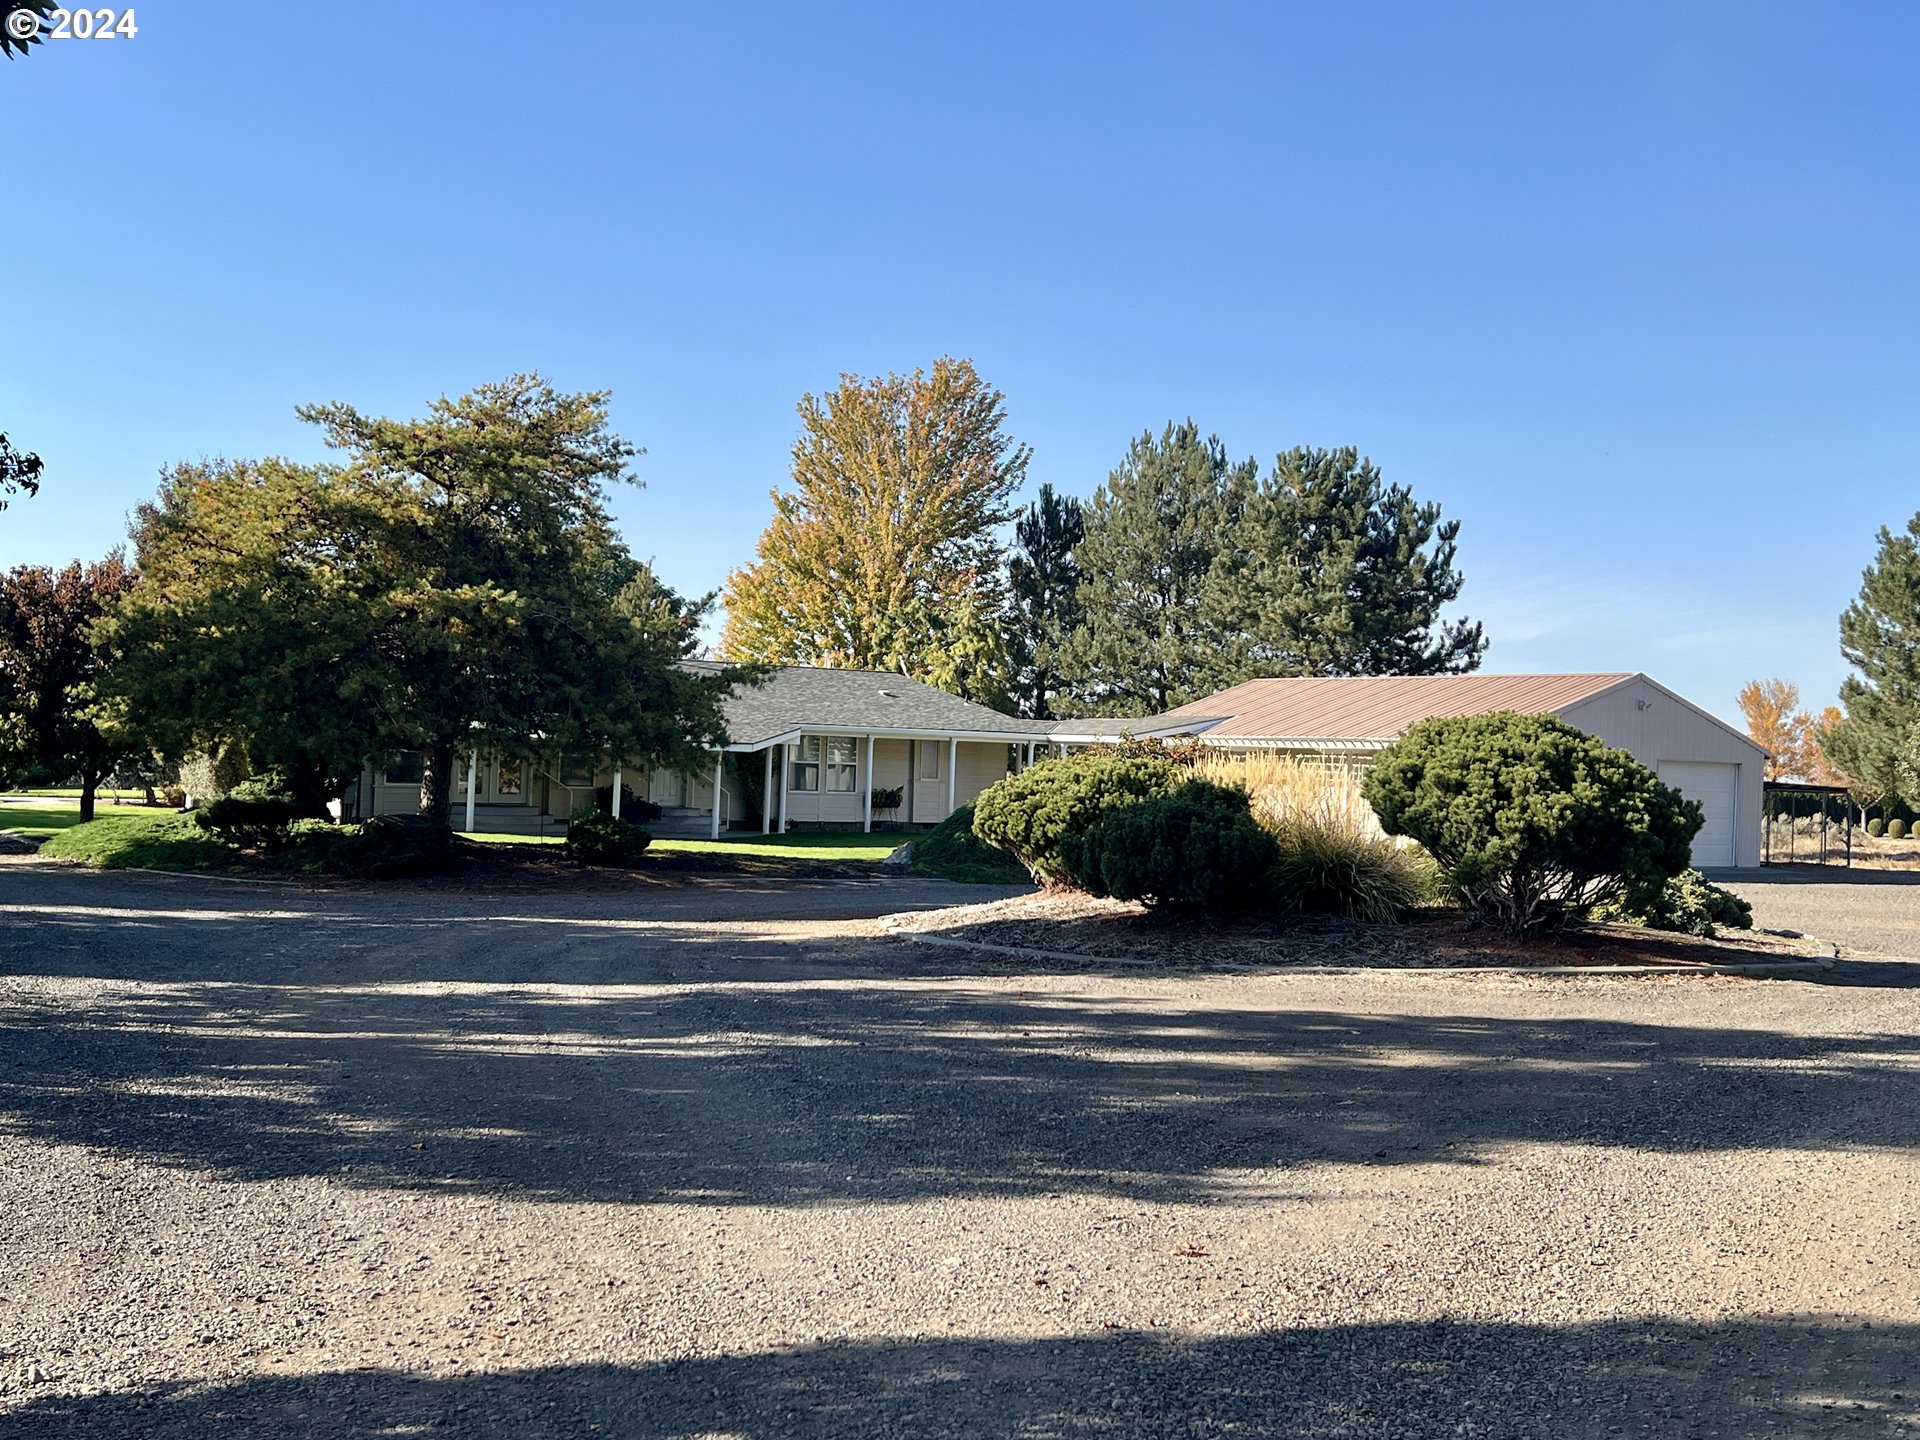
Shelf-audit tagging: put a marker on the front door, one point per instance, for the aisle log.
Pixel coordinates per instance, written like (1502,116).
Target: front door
(506,782)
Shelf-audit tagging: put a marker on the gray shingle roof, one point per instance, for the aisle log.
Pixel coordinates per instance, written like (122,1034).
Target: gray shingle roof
(799,697)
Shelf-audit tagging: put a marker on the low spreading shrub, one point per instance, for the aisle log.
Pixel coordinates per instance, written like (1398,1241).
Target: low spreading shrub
(1688,903)
(596,839)
(952,851)
(1896,829)
(1029,815)
(1876,827)
(632,807)
(256,814)
(1532,822)
(1198,845)
(386,847)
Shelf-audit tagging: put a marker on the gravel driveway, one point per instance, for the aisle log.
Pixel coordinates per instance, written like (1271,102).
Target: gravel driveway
(721,1160)
(1864,912)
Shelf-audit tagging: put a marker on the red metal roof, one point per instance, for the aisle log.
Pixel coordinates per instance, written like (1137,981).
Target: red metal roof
(1379,708)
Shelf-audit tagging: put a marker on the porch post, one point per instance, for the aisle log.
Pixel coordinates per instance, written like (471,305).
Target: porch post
(719,764)
(766,797)
(953,764)
(616,792)
(866,814)
(473,770)
(786,776)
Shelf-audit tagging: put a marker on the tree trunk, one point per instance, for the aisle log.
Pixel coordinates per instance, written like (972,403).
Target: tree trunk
(436,782)
(88,785)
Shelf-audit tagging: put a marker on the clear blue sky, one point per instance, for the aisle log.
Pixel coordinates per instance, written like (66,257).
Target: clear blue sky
(1631,290)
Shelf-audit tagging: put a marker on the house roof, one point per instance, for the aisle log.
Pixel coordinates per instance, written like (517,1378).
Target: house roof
(1377,709)
(801,697)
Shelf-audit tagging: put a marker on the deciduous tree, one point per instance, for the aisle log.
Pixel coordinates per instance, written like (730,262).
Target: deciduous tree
(883,556)
(1776,722)
(50,672)
(19,472)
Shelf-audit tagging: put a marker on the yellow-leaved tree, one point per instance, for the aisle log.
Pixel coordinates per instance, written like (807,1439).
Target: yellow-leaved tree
(883,555)
(1775,721)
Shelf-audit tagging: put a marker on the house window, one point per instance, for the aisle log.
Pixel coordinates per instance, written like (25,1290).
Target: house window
(841,766)
(576,772)
(806,763)
(929,760)
(405,770)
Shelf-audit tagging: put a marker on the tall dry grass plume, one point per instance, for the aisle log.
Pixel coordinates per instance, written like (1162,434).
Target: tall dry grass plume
(1288,788)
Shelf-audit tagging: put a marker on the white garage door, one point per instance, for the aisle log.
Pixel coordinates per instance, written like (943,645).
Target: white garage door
(1716,788)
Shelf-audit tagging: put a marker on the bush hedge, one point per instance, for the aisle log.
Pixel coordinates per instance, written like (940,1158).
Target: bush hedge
(632,807)
(1896,829)
(1029,815)
(1532,822)
(1876,827)
(256,814)
(1688,903)
(1197,845)
(385,847)
(596,839)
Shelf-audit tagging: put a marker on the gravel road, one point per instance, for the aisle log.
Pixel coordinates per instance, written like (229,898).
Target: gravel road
(722,1160)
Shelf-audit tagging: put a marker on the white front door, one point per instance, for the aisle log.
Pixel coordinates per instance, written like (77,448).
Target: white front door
(1716,788)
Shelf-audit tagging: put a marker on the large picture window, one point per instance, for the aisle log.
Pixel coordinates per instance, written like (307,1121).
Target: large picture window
(841,766)
(930,760)
(806,763)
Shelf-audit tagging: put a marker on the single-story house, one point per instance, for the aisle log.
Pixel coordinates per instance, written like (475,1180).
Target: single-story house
(1701,756)
(826,740)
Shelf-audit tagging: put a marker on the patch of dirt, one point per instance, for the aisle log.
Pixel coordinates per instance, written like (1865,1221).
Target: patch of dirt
(1435,939)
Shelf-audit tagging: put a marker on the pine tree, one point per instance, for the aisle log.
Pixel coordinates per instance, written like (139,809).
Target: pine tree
(1044,582)
(883,556)
(1149,635)
(1336,573)
(1880,638)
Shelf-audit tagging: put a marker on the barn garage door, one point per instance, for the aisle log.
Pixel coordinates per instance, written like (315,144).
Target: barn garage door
(1716,788)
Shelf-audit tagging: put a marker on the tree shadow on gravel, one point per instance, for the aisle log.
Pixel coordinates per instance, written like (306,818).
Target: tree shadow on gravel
(1503,1382)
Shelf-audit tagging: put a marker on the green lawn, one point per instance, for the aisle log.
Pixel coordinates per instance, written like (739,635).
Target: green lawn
(143,839)
(50,819)
(832,845)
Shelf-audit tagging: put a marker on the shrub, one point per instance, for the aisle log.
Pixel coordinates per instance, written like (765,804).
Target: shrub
(256,814)
(386,847)
(1198,845)
(1896,829)
(888,797)
(632,807)
(209,774)
(952,851)
(1029,814)
(596,839)
(1688,903)
(1876,827)
(1532,822)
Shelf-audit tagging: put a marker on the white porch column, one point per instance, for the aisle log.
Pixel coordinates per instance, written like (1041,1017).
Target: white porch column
(766,797)
(473,772)
(616,792)
(719,765)
(866,820)
(786,779)
(953,764)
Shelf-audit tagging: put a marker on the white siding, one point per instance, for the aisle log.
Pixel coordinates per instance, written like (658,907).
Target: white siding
(1661,731)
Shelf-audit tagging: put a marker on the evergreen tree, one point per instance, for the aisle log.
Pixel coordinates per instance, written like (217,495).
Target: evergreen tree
(1880,637)
(884,556)
(1336,573)
(51,718)
(1150,634)
(1044,583)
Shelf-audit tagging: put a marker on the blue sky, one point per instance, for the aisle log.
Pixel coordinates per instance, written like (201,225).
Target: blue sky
(1630,290)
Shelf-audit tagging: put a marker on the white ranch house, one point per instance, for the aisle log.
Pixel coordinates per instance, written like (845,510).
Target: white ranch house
(825,740)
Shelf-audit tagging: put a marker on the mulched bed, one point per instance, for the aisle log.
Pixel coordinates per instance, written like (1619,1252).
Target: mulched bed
(1432,940)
